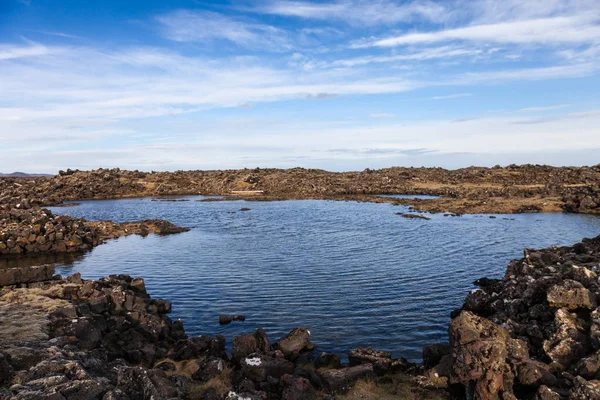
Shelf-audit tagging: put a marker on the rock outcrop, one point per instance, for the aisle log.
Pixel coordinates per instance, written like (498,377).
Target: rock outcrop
(25,229)
(534,334)
(525,188)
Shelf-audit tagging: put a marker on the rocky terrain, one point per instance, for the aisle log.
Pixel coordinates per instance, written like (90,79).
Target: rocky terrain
(526,188)
(32,230)
(535,334)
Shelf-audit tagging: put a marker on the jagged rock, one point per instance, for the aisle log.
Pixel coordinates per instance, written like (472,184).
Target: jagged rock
(139,383)
(569,341)
(328,360)
(433,353)
(480,352)
(381,361)
(297,389)
(438,376)
(545,393)
(589,367)
(535,373)
(258,368)
(255,343)
(571,295)
(294,343)
(340,380)
(585,390)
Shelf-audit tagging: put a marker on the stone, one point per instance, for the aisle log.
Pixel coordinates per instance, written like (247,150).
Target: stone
(258,368)
(297,389)
(294,343)
(545,393)
(432,354)
(380,360)
(480,356)
(571,295)
(255,343)
(340,380)
(328,360)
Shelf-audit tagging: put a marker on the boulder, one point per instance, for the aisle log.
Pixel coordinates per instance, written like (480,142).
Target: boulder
(571,295)
(433,353)
(296,388)
(479,349)
(381,361)
(294,343)
(258,368)
(340,380)
(255,343)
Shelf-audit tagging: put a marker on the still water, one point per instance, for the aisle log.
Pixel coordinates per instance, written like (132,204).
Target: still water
(353,273)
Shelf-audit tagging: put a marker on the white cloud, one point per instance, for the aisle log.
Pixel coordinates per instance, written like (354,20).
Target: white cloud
(444,52)
(358,12)
(452,96)
(206,26)
(543,109)
(556,30)
(8,52)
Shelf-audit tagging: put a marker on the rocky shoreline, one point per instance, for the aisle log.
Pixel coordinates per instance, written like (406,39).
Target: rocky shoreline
(511,189)
(535,334)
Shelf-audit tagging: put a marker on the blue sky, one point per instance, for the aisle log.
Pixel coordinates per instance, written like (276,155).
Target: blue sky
(339,85)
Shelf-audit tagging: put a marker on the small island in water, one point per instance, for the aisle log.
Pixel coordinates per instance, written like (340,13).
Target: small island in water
(531,332)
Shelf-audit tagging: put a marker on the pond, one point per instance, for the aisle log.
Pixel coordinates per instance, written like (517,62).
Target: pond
(353,273)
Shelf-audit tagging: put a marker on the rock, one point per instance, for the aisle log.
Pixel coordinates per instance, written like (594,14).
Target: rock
(139,383)
(226,319)
(14,276)
(585,390)
(535,373)
(340,380)
(6,370)
(545,393)
(328,360)
(433,354)
(569,341)
(138,285)
(571,295)
(258,368)
(294,343)
(589,367)
(413,216)
(256,343)
(381,361)
(22,358)
(438,376)
(297,389)
(480,352)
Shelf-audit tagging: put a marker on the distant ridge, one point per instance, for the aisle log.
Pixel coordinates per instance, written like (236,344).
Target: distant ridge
(21,175)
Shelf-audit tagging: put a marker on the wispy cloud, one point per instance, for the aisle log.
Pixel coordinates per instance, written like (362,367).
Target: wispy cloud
(206,26)
(451,96)
(444,52)
(557,30)
(363,12)
(8,52)
(543,109)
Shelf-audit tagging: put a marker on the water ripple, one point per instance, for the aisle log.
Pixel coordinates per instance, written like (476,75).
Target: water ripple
(353,273)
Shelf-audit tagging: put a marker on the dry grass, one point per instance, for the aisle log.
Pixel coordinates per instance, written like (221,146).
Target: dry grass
(397,388)
(221,383)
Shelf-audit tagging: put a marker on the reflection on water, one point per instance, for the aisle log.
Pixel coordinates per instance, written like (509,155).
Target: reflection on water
(353,273)
(66,260)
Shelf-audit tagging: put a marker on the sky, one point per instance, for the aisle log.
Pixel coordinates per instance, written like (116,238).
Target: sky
(337,84)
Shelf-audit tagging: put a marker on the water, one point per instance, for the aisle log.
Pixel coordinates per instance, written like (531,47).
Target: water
(353,273)
(410,196)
